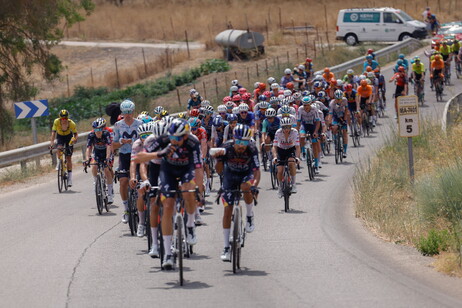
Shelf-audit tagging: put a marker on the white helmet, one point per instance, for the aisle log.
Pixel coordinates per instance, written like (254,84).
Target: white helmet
(127,106)
(233,88)
(159,128)
(221,108)
(370,75)
(236,110)
(256,85)
(318,78)
(270,112)
(287,93)
(243,107)
(338,94)
(339,82)
(286,121)
(301,67)
(287,71)
(205,103)
(271,80)
(235,82)
(350,72)
(274,86)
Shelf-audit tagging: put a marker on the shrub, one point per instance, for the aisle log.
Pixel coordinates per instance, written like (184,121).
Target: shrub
(435,242)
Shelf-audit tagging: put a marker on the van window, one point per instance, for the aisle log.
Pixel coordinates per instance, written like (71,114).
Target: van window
(362,17)
(391,18)
(404,16)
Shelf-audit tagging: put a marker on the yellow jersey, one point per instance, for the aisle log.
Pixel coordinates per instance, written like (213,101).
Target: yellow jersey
(71,127)
(418,69)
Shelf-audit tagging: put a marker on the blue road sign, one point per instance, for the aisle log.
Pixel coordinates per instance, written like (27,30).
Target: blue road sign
(31,109)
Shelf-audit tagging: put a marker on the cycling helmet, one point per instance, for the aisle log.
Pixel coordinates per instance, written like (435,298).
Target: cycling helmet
(308,60)
(231,117)
(362,77)
(437,57)
(267,94)
(370,75)
(236,110)
(318,78)
(163,113)
(262,98)
(369,68)
(290,99)
(296,96)
(205,103)
(322,94)
(217,121)
(287,121)
(369,82)
(230,105)
(333,82)
(287,71)
(290,86)
(274,100)
(305,93)
(243,107)
(271,80)
(208,109)
(182,115)
(246,96)
(339,83)
(338,94)
(368,57)
(399,62)
(350,72)
(168,120)
(158,110)
(99,123)
(348,87)
(363,82)
(235,82)
(159,128)
(195,122)
(236,98)
(301,67)
(326,70)
(144,112)
(270,112)
(241,91)
(192,91)
(317,84)
(307,100)
(401,56)
(144,118)
(194,113)
(262,86)
(242,132)
(263,105)
(256,84)
(287,93)
(221,108)
(178,127)
(226,99)
(274,86)
(144,128)
(401,69)
(234,89)
(416,58)
(64,113)
(281,97)
(284,102)
(369,51)
(285,109)
(127,106)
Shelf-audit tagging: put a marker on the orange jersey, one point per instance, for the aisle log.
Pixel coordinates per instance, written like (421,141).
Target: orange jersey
(437,65)
(364,91)
(329,76)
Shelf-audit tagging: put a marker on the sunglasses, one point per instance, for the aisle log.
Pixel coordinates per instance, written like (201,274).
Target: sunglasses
(127,112)
(144,136)
(287,127)
(223,113)
(194,128)
(97,130)
(242,142)
(243,112)
(176,138)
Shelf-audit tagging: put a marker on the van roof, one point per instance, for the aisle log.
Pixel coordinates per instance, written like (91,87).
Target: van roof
(379,9)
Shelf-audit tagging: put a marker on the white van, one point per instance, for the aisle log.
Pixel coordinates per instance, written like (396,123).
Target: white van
(377,24)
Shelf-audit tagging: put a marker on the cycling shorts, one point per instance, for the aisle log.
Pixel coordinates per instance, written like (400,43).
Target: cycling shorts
(232,181)
(271,135)
(363,100)
(124,164)
(63,141)
(285,154)
(309,129)
(445,57)
(99,156)
(170,176)
(417,76)
(352,107)
(337,122)
(399,91)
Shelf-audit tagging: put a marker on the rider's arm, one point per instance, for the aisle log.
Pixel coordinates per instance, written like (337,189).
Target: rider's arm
(204,147)
(143,171)
(53,137)
(116,144)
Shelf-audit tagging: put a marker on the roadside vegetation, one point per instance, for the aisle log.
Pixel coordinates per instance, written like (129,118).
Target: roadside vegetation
(427,215)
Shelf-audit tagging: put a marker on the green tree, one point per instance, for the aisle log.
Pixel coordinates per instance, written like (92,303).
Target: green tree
(28,31)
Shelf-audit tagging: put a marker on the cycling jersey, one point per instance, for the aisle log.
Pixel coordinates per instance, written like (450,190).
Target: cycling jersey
(285,80)
(200,134)
(308,117)
(137,147)
(351,99)
(455,47)
(99,144)
(400,79)
(58,127)
(445,50)
(282,142)
(328,77)
(194,103)
(248,120)
(208,126)
(124,131)
(437,65)
(270,128)
(418,68)
(338,109)
(364,91)
(241,163)
(374,64)
(217,135)
(293,119)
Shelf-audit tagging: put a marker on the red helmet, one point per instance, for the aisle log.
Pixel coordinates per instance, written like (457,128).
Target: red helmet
(267,94)
(369,51)
(242,91)
(262,86)
(401,69)
(349,87)
(290,85)
(236,98)
(333,81)
(226,99)
(194,113)
(308,60)
(246,96)
(368,69)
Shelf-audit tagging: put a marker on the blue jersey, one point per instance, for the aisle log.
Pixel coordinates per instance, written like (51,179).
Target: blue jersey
(240,162)
(271,128)
(125,131)
(374,64)
(249,120)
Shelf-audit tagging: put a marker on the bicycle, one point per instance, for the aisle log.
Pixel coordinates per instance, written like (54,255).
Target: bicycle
(438,85)
(273,171)
(309,158)
(62,166)
(447,73)
(325,144)
(458,69)
(153,193)
(355,131)
(419,90)
(380,104)
(133,218)
(237,231)
(339,145)
(286,184)
(100,186)
(366,120)
(264,157)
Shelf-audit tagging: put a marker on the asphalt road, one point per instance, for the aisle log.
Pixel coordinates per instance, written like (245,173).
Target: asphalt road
(56,251)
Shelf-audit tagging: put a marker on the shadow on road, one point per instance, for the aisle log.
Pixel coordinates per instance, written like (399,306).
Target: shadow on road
(244,271)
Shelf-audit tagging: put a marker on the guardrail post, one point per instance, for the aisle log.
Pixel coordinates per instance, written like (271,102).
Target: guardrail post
(23,165)
(84,152)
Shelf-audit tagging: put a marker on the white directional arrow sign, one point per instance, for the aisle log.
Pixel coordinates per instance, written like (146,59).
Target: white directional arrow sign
(31,109)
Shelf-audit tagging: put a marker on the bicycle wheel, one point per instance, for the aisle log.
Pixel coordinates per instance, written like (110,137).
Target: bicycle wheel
(236,242)
(264,158)
(309,164)
(328,144)
(65,174)
(179,242)
(105,195)
(99,194)
(148,222)
(337,149)
(273,175)
(132,219)
(340,145)
(160,241)
(60,176)
(188,248)
(286,191)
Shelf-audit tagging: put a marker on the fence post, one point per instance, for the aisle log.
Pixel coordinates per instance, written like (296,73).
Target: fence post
(293,29)
(173,28)
(277,60)
(178,95)
(258,74)
(266,27)
(23,165)
(216,87)
(297,55)
(288,60)
(280,19)
(205,91)
(226,81)
(144,61)
(266,67)
(68,88)
(117,73)
(248,75)
(314,47)
(187,43)
(306,51)
(91,76)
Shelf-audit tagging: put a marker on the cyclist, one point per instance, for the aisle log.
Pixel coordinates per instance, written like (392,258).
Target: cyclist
(195,99)
(364,97)
(370,62)
(401,82)
(286,147)
(144,130)
(381,88)
(239,159)
(218,131)
(418,72)
(201,135)
(228,133)
(245,116)
(269,127)
(372,53)
(350,78)
(338,111)
(301,77)
(308,122)
(181,160)
(405,61)
(288,77)
(65,132)
(353,106)
(328,75)
(125,133)
(99,149)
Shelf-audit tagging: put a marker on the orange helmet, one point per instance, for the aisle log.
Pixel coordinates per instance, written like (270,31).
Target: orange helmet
(368,69)
(333,81)
(308,60)
(437,57)
(326,70)
(401,69)
(377,70)
(290,86)
(349,87)
(262,86)
(364,82)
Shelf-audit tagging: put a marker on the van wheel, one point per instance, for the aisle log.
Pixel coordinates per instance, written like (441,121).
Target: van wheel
(351,39)
(404,36)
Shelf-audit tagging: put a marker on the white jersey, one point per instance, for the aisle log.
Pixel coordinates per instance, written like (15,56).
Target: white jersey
(293,119)
(282,142)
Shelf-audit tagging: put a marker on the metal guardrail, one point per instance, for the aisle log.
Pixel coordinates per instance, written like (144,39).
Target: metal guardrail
(35,151)
(382,55)
(452,112)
